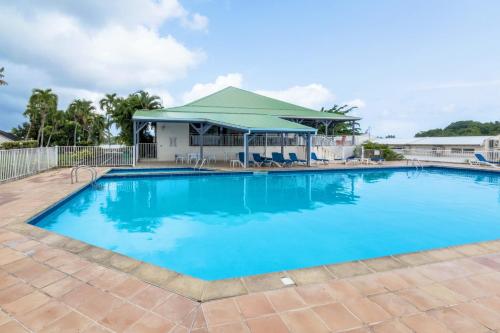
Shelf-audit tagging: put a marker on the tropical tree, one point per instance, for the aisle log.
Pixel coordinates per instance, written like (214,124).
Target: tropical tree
(122,113)
(41,103)
(2,75)
(108,104)
(81,112)
(342,128)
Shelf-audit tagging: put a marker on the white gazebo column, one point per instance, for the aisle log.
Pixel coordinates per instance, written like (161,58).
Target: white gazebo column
(308,148)
(283,144)
(245,149)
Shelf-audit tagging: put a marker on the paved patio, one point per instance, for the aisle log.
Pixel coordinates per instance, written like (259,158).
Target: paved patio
(45,287)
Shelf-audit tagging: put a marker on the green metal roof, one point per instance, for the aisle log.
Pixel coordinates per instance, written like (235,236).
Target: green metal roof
(238,108)
(248,122)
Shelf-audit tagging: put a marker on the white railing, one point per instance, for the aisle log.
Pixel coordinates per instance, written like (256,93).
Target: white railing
(272,140)
(95,156)
(447,155)
(148,151)
(18,163)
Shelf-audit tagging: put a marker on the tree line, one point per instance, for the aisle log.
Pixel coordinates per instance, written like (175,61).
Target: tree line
(464,128)
(80,124)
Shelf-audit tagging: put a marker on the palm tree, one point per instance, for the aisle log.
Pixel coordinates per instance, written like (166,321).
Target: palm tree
(81,111)
(341,128)
(42,102)
(108,104)
(2,75)
(56,118)
(146,101)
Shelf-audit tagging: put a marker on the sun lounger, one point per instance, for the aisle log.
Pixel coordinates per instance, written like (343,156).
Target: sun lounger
(280,160)
(295,160)
(261,161)
(481,160)
(317,160)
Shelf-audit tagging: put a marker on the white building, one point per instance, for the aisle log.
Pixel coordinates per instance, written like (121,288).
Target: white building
(6,136)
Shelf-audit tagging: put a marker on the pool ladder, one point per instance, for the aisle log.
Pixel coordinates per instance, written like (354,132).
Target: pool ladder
(202,162)
(74,174)
(416,163)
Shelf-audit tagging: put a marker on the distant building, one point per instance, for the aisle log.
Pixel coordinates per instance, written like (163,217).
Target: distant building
(6,136)
(454,144)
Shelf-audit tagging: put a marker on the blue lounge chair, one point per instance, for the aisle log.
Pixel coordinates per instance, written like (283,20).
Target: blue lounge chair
(316,159)
(481,160)
(261,161)
(280,160)
(294,159)
(241,157)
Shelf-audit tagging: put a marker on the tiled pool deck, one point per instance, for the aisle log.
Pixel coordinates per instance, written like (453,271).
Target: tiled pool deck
(50,283)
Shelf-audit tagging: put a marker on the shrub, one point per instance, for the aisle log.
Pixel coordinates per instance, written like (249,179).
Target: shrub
(19,144)
(387,153)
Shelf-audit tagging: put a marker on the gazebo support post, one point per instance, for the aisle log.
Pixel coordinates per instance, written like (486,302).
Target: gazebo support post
(308,149)
(353,133)
(283,144)
(245,149)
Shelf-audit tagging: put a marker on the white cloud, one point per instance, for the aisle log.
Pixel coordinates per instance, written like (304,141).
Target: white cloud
(313,95)
(113,57)
(200,90)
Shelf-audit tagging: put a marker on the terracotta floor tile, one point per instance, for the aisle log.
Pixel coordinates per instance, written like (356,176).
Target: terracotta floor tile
(31,270)
(490,263)
(423,323)
(122,317)
(96,328)
(74,266)
(392,281)
(315,294)
(78,295)
(14,292)
(285,299)
(61,287)
(47,278)
(369,312)
(448,296)
(175,308)
(466,287)
(129,287)
(483,315)
(108,279)
(3,317)
(44,253)
(394,304)
(8,256)
(220,312)
(150,297)
(26,303)
(12,327)
(456,321)
(413,277)
(304,321)
(267,324)
(487,282)
(7,280)
(337,317)
(392,326)
(254,305)
(72,322)
(229,328)
(98,304)
(420,299)
(368,285)
(44,315)
(151,323)
(27,245)
(93,271)
(443,271)
(342,290)
(492,303)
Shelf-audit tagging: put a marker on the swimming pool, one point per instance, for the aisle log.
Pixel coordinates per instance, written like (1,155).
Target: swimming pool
(223,226)
(122,171)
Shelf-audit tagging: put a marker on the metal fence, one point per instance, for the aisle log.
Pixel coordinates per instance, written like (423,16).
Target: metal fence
(147,151)
(447,155)
(18,163)
(269,140)
(95,156)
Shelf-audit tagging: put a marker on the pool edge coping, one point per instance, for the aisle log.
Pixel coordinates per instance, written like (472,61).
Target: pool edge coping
(204,290)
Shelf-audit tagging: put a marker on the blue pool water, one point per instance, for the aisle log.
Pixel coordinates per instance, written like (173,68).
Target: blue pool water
(150,170)
(223,226)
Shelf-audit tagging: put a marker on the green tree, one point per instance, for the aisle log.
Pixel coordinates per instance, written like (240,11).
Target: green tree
(108,104)
(2,75)
(122,113)
(80,111)
(342,128)
(41,103)
(464,128)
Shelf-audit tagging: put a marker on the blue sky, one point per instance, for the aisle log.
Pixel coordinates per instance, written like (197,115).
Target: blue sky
(410,66)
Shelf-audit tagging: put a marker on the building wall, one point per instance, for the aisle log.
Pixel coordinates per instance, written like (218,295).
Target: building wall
(173,138)
(4,139)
